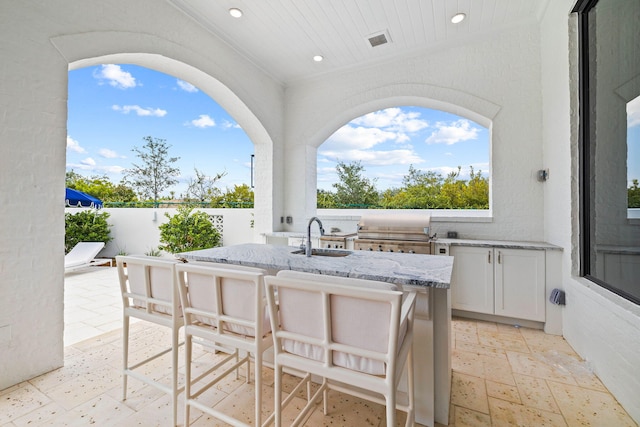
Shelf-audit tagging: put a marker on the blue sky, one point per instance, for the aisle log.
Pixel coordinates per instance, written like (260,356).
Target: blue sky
(112,107)
(387,142)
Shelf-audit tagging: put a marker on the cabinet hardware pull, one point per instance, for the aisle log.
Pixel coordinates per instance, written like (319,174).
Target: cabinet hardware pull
(499,257)
(489,258)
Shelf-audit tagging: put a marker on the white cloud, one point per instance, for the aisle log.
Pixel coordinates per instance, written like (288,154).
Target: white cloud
(144,112)
(93,168)
(349,137)
(226,124)
(633,112)
(74,145)
(389,125)
(88,162)
(374,158)
(452,132)
(115,76)
(186,86)
(109,154)
(203,121)
(393,119)
(112,169)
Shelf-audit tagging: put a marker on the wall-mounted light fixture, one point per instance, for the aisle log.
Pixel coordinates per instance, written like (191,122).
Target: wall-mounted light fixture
(543,175)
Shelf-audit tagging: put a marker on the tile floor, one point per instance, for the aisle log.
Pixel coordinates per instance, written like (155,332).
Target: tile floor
(502,376)
(92,303)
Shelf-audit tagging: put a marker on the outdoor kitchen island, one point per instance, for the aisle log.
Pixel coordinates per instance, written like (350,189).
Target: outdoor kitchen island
(428,275)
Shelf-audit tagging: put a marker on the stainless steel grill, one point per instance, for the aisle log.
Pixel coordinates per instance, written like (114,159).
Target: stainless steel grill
(404,233)
(335,240)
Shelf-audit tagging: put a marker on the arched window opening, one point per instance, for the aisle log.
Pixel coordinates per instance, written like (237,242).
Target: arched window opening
(114,109)
(405,157)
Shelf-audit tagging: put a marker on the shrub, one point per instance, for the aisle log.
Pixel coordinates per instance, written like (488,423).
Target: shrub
(187,231)
(153,252)
(85,226)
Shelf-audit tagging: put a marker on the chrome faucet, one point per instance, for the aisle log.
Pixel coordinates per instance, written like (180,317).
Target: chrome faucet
(308,247)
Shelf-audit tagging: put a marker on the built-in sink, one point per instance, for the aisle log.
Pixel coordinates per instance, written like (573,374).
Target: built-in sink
(323,252)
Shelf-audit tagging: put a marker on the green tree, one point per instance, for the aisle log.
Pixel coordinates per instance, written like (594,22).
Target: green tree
(123,193)
(202,188)
(187,231)
(325,199)
(461,194)
(353,189)
(633,195)
(420,190)
(155,173)
(72,178)
(240,197)
(453,190)
(428,190)
(388,198)
(85,226)
(101,187)
(477,191)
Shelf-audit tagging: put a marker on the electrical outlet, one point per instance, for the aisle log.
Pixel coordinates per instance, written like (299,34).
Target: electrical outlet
(543,175)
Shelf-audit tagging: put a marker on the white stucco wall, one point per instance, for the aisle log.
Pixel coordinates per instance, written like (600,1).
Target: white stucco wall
(39,41)
(136,231)
(602,327)
(32,91)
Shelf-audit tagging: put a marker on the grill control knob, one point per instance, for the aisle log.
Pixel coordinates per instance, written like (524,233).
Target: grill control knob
(370,248)
(390,250)
(379,248)
(411,251)
(401,251)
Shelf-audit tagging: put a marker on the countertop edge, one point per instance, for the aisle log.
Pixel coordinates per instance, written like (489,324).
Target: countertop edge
(506,244)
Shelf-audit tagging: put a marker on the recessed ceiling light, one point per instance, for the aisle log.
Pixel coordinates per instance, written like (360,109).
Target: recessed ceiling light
(458,18)
(235,12)
(318,58)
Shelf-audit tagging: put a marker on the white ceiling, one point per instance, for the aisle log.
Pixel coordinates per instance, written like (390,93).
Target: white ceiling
(282,36)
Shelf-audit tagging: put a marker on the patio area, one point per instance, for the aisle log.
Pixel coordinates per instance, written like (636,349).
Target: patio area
(502,376)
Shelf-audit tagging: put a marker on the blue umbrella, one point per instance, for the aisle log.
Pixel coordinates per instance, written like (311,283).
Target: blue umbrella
(75,198)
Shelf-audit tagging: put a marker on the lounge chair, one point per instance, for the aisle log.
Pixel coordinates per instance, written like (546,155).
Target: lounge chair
(83,255)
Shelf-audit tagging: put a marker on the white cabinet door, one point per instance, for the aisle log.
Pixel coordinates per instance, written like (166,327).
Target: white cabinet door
(520,283)
(472,279)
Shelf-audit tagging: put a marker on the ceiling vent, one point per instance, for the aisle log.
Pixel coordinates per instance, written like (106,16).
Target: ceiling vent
(379,38)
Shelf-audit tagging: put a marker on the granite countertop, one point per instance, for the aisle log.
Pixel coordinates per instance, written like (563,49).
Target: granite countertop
(406,269)
(507,244)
